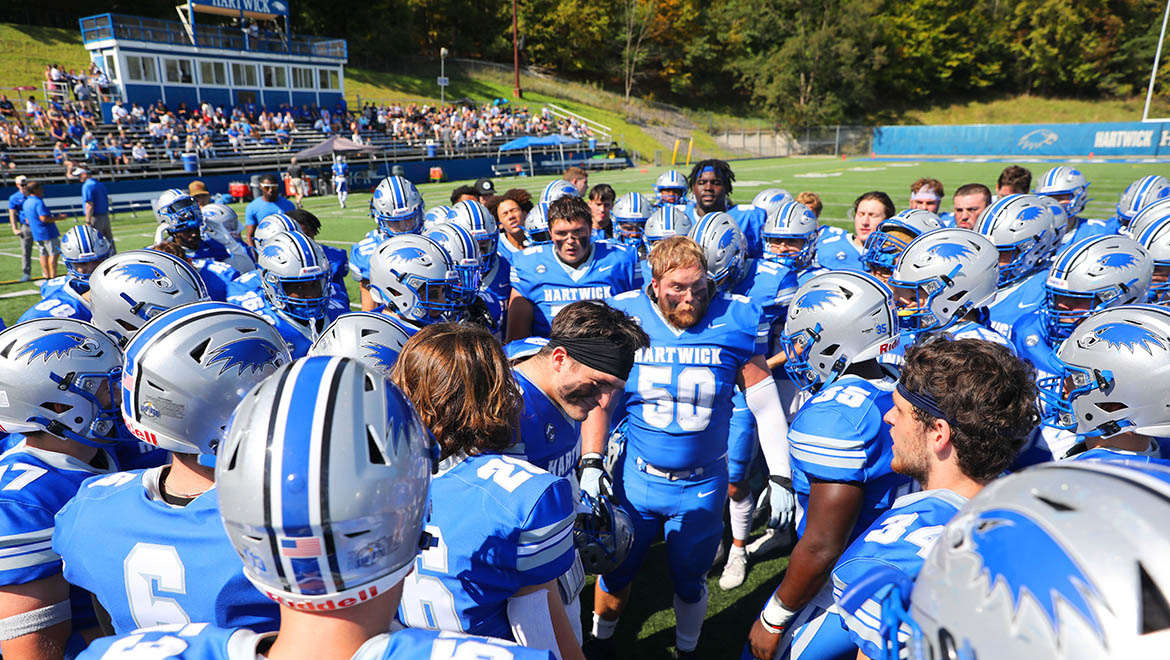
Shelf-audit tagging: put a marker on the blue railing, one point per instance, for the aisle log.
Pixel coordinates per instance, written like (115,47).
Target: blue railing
(155,30)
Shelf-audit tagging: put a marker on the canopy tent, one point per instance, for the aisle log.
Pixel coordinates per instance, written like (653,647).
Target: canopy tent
(527,143)
(335,144)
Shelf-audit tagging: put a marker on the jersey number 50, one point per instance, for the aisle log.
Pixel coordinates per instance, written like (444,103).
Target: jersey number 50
(691,407)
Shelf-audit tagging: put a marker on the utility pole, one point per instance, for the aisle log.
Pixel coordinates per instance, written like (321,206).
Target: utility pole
(515,54)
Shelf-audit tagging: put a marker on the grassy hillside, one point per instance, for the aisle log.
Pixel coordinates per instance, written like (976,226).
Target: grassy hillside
(1027,109)
(26,49)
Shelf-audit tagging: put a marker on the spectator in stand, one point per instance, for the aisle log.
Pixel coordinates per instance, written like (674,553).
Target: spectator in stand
(7,109)
(812,201)
(93,150)
(61,157)
(579,178)
(295,182)
(139,153)
(119,113)
(233,136)
(270,202)
(115,151)
(75,131)
(57,132)
(43,226)
(20,227)
(207,146)
(81,92)
(97,203)
(322,125)
(1013,180)
(283,139)
(36,114)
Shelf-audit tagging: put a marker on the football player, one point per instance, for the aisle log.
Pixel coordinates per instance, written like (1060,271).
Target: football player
(546,278)
(413,280)
(310,225)
(1156,239)
(1103,391)
(397,208)
(558,189)
(962,409)
(1140,194)
(926,194)
(511,209)
(375,340)
(838,325)
(295,290)
(482,225)
(790,239)
(340,171)
(130,288)
(666,221)
(221,224)
(493,572)
(334,564)
(969,201)
(672,476)
(771,199)
(61,378)
(842,251)
(1026,233)
(181,219)
(710,181)
(473,303)
(630,214)
(1089,276)
(890,238)
(164,556)
(670,188)
(536,226)
(83,248)
(1070,188)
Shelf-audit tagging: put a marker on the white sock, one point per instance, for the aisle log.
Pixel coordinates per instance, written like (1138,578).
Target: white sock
(741,517)
(738,550)
(603,629)
(689,622)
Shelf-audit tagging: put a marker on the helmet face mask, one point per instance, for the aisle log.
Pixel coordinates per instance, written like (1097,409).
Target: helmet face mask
(295,276)
(83,248)
(670,188)
(413,276)
(1092,275)
(481,224)
(630,214)
(884,245)
(1024,230)
(602,533)
(178,211)
(465,258)
(536,225)
(397,207)
(791,225)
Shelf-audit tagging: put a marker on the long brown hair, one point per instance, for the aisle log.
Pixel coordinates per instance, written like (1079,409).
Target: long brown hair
(460,382)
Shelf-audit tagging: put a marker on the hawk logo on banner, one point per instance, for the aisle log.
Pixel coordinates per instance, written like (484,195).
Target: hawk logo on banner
(1033,140)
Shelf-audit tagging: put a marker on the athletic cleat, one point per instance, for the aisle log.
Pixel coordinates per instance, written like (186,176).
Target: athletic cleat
(734,571)
(773,540)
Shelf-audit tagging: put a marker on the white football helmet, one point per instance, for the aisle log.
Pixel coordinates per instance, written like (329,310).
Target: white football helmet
(130,288)
(83,248)
(893,235)
(397,206)
(1065,180)
(177,211)
(479,221)
(225,216)
(464,252)
(630,213)
(413,276)
(1024,231)
(272,225)
(373,339)
(725,247)
(1156,238)
(771,199)
(324,484)
(536,225)
(1150,214)
(943,275)
(436,214)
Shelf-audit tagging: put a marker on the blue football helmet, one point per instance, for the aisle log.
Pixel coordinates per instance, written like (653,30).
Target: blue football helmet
(294,274)
(479,221)
(893,235)
(373,339)
(536,225)
(630,213)
(1065,181)
(1156,238)
(1024,231)
(1061,561)
(558,189)
(670,188)
(1140,194)
(178,211)
(1091,275)
(413,277)
(602,533)
(397,207)
(272,225)
(836,319)
(725,247)
(464,252)
(51,362)
(83,248)
(666,221)
(791,222)
(130,288)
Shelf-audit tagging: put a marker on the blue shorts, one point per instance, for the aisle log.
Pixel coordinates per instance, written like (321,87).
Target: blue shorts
(689,512)
(814,634)
(742,445)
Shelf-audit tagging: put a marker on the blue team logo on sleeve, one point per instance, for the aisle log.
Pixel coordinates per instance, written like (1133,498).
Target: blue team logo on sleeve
(143,273)
(999,537)
(248,353)
(1116,335)
(949,251)
(383,355)
(56,345)
(817,299)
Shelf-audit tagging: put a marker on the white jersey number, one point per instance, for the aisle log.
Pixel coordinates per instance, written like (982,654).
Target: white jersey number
(150,567)
(691,407)
(426,601)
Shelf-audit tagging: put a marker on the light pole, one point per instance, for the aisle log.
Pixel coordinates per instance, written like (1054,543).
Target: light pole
(443,76)
(515,54)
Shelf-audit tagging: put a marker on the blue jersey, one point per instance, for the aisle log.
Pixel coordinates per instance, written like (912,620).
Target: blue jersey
(340,170)
(524,348)
(900,538)
(539,276)
(961,330)
(947,219)
(63,302)
(506,250)
(1152,456)
(217,276)
(839,436)
(1017,299)
(770,286)
(159,564)
(837,251)
(338,265)
(1086,228)
(501,524)
(498,280)
(413,644)
(679,395)
(297,335)
(361,252)
(36,483)
(209,249)
(549,439)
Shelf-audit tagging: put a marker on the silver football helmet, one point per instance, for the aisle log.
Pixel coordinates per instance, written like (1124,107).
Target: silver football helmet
(479,221)
(725,247)
(350,464)
(666,221)
(893,235)
(397,206)
(294,275)
(50,362)
(1059,217)
(272,225)
(436,214)
(177,211)
(465,256)
(1148,216)
(771,199)
(943,275)
(836,319)
(1140,194)
(791,222)
(1066,560)
(536,225)
(556,190)
(83,248)
(1091,275)
(630,213)
(225,216)
(187,369)
(1156,238)
(1065,181)
(1109,364)
(1024,231)
(413,277)
(670,188)
(130,288)
(373,339)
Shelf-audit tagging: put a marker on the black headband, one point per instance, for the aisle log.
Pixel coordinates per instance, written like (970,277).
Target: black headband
(600,354)
(924,401)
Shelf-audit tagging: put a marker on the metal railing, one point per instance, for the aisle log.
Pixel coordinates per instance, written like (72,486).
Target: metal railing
(600,129)
(811,140)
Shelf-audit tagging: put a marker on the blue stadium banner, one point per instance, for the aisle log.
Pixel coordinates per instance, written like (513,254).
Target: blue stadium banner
(248,7)
(1100,139)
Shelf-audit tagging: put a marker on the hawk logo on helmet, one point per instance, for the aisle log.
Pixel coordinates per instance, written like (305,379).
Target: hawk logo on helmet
(271,251)
(949,251)
(817,298)
(1030,213)
(1118,260)
(383,355)
(998,535)
(251,353)
(56,345)
(1116,335)
(144,273)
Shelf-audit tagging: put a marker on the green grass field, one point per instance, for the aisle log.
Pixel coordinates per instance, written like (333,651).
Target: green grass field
(647,628)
